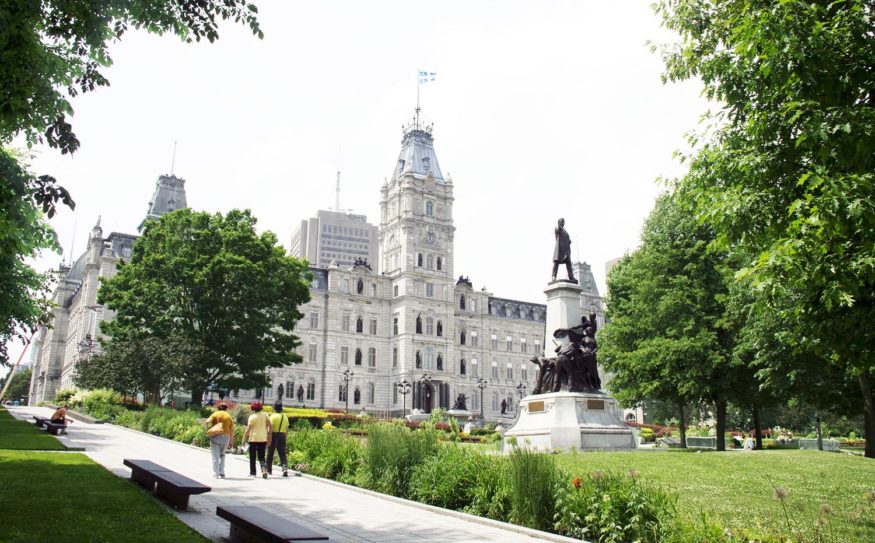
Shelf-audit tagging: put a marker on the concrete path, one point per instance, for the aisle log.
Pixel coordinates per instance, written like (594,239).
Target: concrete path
(342,512)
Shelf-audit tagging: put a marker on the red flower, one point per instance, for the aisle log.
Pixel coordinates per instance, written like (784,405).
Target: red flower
(576,482)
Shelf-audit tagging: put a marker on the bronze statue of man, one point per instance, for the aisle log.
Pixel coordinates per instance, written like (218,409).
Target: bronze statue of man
(562,251)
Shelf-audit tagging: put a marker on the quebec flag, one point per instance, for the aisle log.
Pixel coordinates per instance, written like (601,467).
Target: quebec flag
(425,77)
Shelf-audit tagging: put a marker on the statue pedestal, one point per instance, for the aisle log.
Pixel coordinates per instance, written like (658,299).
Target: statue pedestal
(461,415)
(563,309)
(561,421)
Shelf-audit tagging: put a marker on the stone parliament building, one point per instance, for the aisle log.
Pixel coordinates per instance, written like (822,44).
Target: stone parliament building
(368,326)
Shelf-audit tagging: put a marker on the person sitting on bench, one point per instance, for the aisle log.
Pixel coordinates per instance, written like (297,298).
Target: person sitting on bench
(60,417)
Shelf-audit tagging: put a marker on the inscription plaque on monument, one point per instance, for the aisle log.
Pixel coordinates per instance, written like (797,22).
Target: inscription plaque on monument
(595,405)
(536,407)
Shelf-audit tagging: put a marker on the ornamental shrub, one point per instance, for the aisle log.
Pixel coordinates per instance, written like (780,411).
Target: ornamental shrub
(102,403)
(611,508)
(64,395)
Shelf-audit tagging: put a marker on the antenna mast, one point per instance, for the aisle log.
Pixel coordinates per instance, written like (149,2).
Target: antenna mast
(337,194)
(173,161)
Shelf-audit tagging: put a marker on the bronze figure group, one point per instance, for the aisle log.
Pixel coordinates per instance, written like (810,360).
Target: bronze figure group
(574,369)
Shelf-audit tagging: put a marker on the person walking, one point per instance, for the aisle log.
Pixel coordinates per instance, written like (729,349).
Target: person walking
(220,429)
(257,434)
(279,423)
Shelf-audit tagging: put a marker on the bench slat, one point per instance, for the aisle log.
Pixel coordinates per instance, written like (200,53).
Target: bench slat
(180,482)
(266,525)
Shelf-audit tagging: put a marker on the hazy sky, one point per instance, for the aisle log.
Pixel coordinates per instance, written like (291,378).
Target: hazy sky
(540,110)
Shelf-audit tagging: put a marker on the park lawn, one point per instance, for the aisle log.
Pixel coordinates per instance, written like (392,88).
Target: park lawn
(22,435)
(47,496)
(739,487)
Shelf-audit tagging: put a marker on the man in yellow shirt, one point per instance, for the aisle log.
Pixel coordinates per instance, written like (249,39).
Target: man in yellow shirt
(221,442)
(279,423)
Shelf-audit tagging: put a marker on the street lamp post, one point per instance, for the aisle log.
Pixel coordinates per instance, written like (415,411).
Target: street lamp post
(347,377)
(521,390)
(404,390)
(481,384)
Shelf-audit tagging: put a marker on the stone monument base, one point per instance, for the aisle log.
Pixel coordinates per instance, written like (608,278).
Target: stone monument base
(561,421)
(461,415)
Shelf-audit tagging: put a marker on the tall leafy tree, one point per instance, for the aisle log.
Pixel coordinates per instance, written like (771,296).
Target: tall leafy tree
(665,337)
(19,387)
(231,294)
(151,365)
(787,170)
(50,52)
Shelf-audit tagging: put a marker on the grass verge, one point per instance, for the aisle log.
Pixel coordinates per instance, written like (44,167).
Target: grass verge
(826,493)
(21,435)
(48,496)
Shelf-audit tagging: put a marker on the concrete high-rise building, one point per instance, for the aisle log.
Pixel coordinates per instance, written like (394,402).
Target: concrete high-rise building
(335,236)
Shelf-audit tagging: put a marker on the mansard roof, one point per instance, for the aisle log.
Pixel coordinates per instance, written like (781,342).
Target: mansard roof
(417,153)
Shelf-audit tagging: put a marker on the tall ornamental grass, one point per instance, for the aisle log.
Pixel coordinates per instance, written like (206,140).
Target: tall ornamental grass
(391,455)
(533,478)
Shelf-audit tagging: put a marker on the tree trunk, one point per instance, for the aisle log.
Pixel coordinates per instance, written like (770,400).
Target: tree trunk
(721,424)
(868,413)
(757,428)
(683,425)
(197,396)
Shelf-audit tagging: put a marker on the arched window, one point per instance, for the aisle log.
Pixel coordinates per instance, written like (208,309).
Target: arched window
(630,417)
(419,260)
(440,329)
(440,362)
(462,301)
(474,368)
(462,338)
(341,396)
(360,286)
(429,208)
(438,263)
(462,367)
(395,357)
(429,261)
(418,360)
(429,326)
(429,358)
(372,357)
(418,324)
(358,357)
(357,396)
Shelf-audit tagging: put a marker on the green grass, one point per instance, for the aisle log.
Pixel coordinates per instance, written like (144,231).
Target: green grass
(738,487)
(21,435)
(47,496)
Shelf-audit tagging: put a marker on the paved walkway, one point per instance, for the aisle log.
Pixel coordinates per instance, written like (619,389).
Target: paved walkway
(342,512)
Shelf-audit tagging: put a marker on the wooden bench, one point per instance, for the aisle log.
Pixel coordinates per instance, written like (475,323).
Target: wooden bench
(55,428)
(41,421)
(252,524)
(172,487)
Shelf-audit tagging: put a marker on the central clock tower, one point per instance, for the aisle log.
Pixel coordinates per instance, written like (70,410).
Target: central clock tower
(416,212)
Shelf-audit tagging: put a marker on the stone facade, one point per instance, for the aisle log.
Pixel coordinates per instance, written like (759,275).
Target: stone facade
(413,316)
(74,332)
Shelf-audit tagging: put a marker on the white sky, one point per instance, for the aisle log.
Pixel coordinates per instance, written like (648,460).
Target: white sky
(540,109)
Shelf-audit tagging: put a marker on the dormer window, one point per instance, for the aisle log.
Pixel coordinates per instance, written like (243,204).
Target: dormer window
(429,208)
(426,164)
